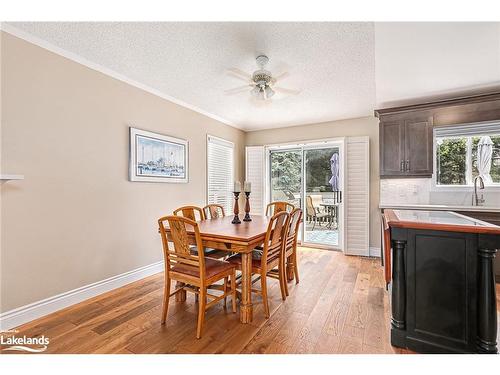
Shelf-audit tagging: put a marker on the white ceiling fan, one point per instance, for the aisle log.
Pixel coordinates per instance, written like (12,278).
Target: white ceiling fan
(261,83)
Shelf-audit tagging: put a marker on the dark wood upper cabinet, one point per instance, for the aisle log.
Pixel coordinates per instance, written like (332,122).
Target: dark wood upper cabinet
(418,145)
(406,145)
(393,154)
(406,133)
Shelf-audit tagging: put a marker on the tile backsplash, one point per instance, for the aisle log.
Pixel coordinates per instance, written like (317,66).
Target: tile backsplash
(419,191)
(405,190)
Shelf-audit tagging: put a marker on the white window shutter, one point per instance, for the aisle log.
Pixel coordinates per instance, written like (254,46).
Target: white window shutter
(254,172)
(220,172)
(357,196)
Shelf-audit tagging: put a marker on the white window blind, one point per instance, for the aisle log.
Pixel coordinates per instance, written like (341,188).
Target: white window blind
(478,129)
(254,172)
(357,196)
(220,172)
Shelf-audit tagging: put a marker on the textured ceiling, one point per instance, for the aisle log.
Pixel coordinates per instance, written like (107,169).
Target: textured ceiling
(332,64)
(343,70)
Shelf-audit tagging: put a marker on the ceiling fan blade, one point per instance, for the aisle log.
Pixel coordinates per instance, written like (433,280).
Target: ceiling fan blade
(240,73)
(237,90)
(286,91)
(238,77)
(281,76)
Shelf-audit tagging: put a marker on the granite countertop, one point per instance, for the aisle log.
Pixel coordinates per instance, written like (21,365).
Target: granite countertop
(440,207)
(438,220)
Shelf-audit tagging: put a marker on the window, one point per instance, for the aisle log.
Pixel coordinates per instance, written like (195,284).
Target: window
(458,159)
(220,172)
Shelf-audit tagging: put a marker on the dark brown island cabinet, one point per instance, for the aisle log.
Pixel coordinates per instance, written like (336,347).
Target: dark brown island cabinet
(406,133)
(442,281)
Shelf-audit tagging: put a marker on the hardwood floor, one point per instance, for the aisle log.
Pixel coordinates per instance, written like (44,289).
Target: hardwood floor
(340,306)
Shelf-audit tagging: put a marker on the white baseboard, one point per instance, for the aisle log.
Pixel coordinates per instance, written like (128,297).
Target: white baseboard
(14,318)
(375,251)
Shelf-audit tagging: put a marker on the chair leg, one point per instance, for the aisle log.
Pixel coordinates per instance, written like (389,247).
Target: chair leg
(282,280)
(166,299)
(295,266)
(263,287)
(284,276)
(233,290)
(201,311)
(225,292)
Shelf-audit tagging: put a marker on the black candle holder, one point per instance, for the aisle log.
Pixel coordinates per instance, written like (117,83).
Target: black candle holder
(247,207)
(236,219)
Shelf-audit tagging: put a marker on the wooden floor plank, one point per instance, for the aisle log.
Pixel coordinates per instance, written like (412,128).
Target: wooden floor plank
(340,306)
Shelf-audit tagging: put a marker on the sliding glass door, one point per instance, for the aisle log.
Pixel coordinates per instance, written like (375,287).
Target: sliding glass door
(286,176)
(322,196)
(309,177)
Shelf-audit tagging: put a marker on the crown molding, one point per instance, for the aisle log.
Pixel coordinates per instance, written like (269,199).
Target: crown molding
(8,28)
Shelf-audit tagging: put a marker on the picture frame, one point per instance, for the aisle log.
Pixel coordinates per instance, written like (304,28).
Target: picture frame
(157,157)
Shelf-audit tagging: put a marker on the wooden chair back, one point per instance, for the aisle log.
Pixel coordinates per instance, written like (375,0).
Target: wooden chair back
(274,207)
(213,211)
(293,228)
(275,237)
(181,253)
(189,212)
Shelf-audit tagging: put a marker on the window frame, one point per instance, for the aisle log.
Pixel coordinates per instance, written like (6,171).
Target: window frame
(469,187)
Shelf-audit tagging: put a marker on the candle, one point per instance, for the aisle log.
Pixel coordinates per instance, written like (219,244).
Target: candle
(247,187)
(237,187)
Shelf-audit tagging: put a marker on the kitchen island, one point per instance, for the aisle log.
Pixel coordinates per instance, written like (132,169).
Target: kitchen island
(442,281)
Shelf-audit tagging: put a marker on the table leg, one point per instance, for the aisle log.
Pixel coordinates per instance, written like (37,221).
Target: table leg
(246,308)
(181,296)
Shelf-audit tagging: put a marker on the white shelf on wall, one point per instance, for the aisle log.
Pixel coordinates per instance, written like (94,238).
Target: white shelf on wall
(8,177)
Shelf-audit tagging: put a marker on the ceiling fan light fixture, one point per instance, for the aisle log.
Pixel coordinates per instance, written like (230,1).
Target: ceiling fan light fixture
(269,92)
(261,80)
(256,91)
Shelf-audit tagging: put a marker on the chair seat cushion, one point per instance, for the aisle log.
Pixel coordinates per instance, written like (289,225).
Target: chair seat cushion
(212,268)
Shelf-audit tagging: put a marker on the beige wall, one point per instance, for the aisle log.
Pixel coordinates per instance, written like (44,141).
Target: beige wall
(75,218)
(367,126)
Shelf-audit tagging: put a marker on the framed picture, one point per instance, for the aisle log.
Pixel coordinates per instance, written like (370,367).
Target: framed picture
(157,158)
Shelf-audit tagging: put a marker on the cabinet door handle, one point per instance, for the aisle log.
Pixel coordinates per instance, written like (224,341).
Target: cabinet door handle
(402,166)
(407,165)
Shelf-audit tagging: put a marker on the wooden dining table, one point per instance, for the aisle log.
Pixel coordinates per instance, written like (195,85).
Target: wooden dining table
(242,238)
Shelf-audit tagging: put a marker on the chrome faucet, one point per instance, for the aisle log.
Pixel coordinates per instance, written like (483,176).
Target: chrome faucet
(475,200)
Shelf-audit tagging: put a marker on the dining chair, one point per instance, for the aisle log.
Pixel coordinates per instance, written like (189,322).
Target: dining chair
(290,256)
(275,207)
(271,256)
(213,211)
(312,213)
(194,272)
(196,213)
(190,212)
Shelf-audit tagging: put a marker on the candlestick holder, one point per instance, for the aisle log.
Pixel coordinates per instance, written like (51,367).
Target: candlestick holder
(236,219)
(247,207)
